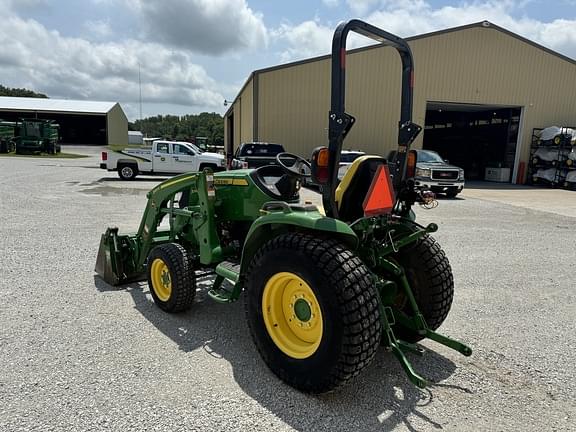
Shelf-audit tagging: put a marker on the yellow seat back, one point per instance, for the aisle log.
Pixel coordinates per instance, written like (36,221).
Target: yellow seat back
(347,179)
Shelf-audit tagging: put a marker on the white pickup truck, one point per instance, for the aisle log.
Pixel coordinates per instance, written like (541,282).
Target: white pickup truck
(164,157)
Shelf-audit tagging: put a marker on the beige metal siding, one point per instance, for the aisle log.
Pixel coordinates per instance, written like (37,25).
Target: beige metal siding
(243,112)
(474,65)
(293,106)
(117,126)
(487,66)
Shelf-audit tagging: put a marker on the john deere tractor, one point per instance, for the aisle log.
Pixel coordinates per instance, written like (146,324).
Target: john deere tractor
(323,288)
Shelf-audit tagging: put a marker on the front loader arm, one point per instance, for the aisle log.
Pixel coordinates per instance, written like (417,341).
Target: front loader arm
(157,208)
(122,257)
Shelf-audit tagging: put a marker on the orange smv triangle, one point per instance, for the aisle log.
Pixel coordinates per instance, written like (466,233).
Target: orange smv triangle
(380,196)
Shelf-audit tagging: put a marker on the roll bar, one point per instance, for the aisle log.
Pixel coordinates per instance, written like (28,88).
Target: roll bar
(340,123)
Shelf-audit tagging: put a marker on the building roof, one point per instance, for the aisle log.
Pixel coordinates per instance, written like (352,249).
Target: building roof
(54,105)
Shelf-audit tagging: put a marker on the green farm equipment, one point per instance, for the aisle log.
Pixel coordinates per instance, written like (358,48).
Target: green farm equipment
(7,136)
(323,289)
(37,136)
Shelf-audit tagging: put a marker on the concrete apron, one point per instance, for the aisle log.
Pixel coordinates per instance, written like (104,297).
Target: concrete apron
(558,201)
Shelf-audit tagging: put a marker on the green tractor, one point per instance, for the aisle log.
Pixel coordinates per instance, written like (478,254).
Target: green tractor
(322,289)
(37,136)
(7,136)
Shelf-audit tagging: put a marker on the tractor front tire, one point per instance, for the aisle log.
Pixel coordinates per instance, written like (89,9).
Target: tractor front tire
(430,277)
(312,310)
(171,277)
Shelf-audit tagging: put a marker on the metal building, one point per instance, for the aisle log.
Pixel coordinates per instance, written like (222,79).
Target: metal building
(479,91)
(81,122)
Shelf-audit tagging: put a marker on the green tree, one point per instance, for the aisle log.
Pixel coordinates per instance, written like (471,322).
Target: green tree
(186,128)
(19,92)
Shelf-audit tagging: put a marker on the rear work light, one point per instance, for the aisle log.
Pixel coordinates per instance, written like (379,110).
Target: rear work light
(104,156)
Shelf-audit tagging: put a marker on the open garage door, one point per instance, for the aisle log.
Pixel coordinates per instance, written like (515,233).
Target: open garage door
(482,139)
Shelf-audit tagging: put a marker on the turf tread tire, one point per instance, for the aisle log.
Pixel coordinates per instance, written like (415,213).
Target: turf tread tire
(182,276)
(349,343)
(430,276)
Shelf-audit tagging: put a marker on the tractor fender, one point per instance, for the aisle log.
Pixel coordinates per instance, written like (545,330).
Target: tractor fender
(274,223)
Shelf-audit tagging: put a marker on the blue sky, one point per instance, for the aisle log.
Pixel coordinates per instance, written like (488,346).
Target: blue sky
(193,54)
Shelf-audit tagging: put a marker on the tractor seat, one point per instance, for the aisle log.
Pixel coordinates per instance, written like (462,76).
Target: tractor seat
(274,182)
(354,187)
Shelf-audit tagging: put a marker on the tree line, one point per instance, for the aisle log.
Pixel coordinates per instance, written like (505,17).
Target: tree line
(20,92)
(183,128)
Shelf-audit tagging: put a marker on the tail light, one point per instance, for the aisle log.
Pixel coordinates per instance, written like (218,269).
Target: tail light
(319,165)
(411,164)
(104,156)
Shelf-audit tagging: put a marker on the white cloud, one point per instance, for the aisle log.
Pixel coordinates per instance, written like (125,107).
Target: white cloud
(208,26)
(305,40)
(74,68)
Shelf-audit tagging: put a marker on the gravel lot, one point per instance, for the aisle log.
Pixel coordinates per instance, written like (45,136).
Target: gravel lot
(77,354)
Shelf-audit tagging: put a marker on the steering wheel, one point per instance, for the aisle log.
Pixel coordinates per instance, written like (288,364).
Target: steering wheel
(300,168)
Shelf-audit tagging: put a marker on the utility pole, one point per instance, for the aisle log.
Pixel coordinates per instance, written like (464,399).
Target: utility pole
(140,89)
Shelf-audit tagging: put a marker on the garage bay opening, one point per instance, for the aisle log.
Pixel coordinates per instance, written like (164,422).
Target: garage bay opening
(481,139)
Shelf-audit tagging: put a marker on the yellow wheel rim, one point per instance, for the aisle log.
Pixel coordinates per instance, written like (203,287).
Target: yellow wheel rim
(292,315)
(161,279)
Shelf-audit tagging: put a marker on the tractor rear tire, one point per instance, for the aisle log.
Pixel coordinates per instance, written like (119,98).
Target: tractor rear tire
(171,277)
(312,310)
(430,277)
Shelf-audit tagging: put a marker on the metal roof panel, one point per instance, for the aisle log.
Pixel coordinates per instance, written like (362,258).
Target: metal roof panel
(55,105)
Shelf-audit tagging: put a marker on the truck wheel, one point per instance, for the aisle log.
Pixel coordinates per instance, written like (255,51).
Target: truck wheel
(430,277)
(171,277)
(127,172)
(211,166)
(312,310)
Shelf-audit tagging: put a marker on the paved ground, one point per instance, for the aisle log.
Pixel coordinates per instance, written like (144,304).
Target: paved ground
(77,354)
(559,201)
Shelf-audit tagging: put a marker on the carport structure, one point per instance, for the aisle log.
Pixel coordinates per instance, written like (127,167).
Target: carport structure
(81,122)
(479,92)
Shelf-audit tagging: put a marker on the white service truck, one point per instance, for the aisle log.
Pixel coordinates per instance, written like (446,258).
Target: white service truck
(163,157)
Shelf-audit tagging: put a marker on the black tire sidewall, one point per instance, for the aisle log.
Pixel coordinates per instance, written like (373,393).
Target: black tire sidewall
(176,267)
(428,280)
(121,173)
(296,262)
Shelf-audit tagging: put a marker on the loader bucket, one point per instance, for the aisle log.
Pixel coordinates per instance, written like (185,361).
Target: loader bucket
(116,260)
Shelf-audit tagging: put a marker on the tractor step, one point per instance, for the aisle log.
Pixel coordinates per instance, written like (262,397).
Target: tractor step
(226,270)
(229,270)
